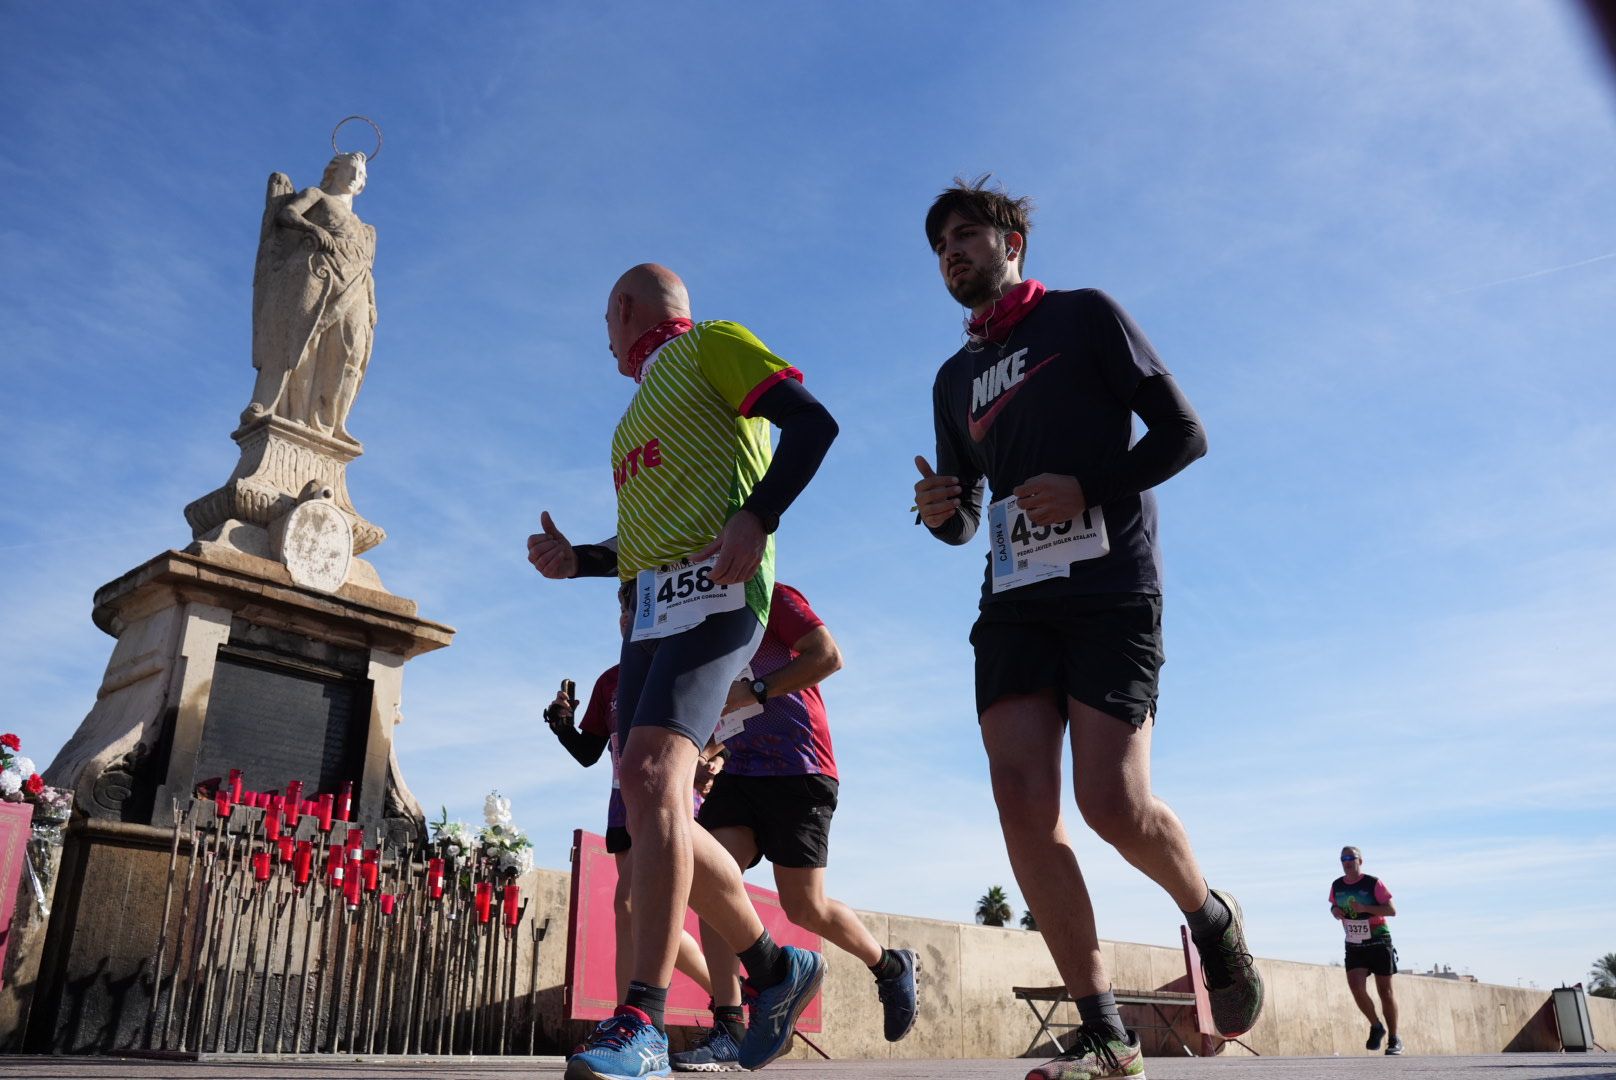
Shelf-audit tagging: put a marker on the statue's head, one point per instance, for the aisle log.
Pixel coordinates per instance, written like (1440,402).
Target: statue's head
(345,175)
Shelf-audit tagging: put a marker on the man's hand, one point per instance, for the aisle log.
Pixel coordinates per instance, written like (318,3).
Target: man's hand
(1337,912)
(1050,498)
(739,548)
(550,552)
(707,770)
(559,713)
(936,497)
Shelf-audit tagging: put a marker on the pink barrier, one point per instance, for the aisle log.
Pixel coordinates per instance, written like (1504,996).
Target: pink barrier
(591,986)
(16,822)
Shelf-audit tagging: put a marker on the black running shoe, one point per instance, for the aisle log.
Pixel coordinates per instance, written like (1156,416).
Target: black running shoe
(1395,1047)
(1232,981)
(1376,1033)
(900,1002)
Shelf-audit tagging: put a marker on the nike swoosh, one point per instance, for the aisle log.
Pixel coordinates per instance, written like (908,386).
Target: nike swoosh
(979,427)
(1117,699)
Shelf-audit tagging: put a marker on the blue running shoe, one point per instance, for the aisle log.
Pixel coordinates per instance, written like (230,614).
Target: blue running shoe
(626,1047)
(775,1010)
(716,1052)
(899,1001)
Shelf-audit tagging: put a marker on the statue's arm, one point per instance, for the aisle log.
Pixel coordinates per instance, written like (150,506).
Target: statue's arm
(291,216)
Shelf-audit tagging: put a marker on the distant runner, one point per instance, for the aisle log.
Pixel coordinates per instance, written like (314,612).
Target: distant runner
(1363,903)
(1039,404)
(774,800)
(699,495)
(597,734)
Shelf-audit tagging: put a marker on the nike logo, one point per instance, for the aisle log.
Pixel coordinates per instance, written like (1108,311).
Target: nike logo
(1117,699)
(997,385)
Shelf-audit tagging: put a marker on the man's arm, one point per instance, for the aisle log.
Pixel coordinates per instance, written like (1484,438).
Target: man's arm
(584,747)
(949,500)
(817,659)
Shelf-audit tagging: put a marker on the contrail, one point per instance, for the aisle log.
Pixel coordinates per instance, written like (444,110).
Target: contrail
(1533,274)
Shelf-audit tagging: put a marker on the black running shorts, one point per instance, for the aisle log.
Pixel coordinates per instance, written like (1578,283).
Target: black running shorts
(789,815)
(617,840)
(1379,957)
(1104,651)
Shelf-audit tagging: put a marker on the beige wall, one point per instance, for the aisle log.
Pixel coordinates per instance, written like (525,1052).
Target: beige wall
(967,1009)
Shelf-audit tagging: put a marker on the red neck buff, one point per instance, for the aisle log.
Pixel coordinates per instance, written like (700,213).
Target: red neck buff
(653,339)
(1008,310)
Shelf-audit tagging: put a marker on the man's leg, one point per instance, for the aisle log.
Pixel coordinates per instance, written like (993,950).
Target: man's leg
(1388,1003)
(802,895)
(1358,981)
(1111,774)
(722,965)
(623,909)
(1023,736)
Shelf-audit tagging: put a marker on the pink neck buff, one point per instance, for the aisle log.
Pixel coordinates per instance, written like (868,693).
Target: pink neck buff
(1008,310)
(652,340)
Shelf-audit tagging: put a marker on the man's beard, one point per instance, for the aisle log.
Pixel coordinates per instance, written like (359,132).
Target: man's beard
(979,286)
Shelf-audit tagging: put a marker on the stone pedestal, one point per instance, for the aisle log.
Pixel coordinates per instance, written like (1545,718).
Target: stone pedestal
(222,661)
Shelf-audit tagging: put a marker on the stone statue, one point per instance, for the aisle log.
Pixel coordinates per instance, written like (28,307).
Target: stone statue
(314,300)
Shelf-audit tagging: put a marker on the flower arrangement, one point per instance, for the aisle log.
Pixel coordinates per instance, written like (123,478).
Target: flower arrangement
(21,782)
(498,841)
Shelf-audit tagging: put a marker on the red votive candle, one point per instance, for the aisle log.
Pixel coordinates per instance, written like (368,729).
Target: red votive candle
(335,860)
(356,839)
(260,863)
(353,889)
(293,802)
(272,824)
(372,870)
(434,878)
(345,801)
(303,862)
(287,847)
(221,801)
(326,803)
(485,901)
(513,905)
(388,899)
(235,785)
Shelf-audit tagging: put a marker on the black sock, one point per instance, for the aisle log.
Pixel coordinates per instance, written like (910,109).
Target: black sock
(731,1019)
(765,963)
(1210,920)
(1099,1013)
(651,1000)
(888,966)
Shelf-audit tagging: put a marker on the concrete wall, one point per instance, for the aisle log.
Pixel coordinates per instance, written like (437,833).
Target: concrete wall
(968,1010)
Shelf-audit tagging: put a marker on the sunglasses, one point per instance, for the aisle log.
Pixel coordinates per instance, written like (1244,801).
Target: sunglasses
(1350,858)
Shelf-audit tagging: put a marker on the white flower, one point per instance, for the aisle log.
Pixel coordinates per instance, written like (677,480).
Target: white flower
(11,781)
(24,765)
(497,809)
(521,860)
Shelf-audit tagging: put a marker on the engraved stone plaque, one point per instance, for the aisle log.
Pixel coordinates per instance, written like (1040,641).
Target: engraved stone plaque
(280,723)
(317,545)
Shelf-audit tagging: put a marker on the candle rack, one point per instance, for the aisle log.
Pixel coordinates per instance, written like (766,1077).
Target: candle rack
(335,943)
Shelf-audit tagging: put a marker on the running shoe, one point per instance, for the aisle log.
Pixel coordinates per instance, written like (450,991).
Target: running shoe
(1376,1033)
(900,1002)
(1232,981)
(1094,1055)
(626,1047)
(716,1052)
(1395,1047)
(775,1010)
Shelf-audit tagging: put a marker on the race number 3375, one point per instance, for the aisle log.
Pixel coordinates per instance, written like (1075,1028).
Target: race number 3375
(675,598)
(1023,552)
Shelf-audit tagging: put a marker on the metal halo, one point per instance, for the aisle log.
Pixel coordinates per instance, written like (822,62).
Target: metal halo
(376,153)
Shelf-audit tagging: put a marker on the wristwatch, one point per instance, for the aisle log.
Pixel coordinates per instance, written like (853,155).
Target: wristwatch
(760,690)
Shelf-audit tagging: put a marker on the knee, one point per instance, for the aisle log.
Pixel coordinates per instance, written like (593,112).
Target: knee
(646,783)
(808,912)
(1116,819)
(1027,800)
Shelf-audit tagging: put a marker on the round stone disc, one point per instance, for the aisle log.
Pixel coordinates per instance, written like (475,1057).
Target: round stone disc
(317,546)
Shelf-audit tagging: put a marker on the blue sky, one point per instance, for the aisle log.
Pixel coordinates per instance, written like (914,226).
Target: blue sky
(1373,241)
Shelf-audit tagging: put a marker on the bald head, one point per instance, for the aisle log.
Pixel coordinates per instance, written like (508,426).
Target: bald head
(645,295)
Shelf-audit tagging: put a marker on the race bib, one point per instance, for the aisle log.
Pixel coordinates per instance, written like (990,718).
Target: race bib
(1022,553)
(1357,930)
(732,723)
(672,600)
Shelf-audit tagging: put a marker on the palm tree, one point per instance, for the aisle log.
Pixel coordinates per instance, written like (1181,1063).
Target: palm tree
(1603,976)
(994,908)
(1027,921)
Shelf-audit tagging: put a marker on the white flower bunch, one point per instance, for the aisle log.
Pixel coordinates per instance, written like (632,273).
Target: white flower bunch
(501,840)
(457,836)
(497,810)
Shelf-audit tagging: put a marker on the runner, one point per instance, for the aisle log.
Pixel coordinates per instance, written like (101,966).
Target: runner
(595,735)
(1069,634)
(774,800)
(698,497)
(1363,903)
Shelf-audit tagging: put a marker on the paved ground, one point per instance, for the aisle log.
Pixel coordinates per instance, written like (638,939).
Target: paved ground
(1493,1067)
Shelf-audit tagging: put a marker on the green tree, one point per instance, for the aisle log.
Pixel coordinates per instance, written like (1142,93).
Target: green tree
(994,908)
(1027,921)
(1603,976)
